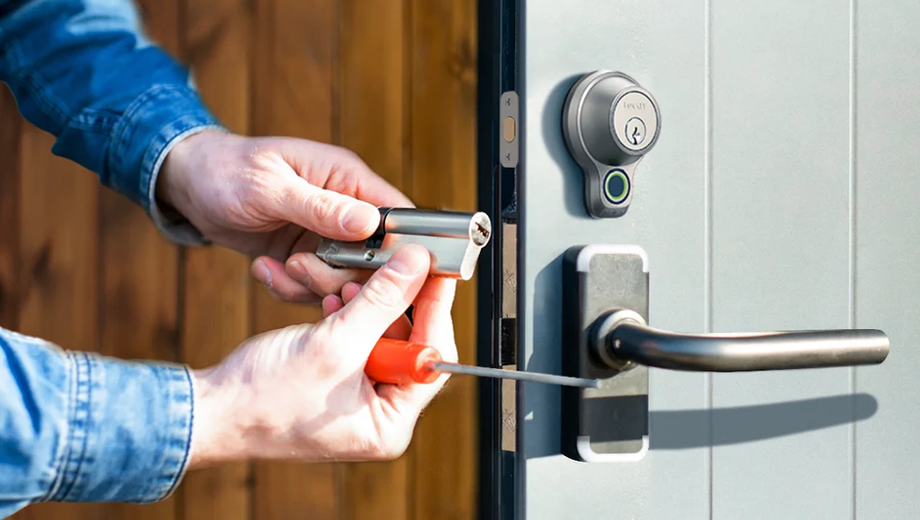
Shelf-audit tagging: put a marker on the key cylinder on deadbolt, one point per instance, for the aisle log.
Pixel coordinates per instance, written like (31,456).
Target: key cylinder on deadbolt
(609,124)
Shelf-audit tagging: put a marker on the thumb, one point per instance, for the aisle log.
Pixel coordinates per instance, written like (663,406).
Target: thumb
(326,212)
(386,295)
(434,327)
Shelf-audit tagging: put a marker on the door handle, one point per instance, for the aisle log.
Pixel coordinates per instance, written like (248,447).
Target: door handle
(621,339)
(606,336)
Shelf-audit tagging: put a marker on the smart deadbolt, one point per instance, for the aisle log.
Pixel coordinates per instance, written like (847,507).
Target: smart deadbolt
(609,123)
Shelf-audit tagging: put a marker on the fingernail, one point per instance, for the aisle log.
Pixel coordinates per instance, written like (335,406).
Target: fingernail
(359,217)
(408,261)
(298,268)
(329,304)
(264,274)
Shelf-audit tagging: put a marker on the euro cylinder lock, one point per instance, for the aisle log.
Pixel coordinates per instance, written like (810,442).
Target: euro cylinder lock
(453,238)
(609,123)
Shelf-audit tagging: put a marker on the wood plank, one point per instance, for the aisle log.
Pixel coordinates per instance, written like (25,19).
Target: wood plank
(140,273)
(59,257)
(10,124)
(443,108)
(58,265)
(216,289)
(137,317)
(216,310)
(293,67)
(371,108)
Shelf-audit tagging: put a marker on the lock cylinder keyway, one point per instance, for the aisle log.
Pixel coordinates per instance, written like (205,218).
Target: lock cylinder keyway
(609,123)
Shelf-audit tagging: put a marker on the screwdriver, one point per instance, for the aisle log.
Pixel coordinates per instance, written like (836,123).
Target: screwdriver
(401,362)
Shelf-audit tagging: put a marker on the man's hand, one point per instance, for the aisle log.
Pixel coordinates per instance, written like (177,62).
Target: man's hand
(301,392)
(272,198)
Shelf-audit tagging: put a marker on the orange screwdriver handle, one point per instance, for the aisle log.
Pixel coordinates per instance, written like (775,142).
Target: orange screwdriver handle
(400,363)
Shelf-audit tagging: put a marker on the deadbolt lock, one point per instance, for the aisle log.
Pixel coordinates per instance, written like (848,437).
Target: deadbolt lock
(609,123)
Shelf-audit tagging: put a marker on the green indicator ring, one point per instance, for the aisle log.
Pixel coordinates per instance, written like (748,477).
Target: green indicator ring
(616,186)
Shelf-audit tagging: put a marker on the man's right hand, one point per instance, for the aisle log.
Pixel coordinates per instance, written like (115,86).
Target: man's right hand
(301,392)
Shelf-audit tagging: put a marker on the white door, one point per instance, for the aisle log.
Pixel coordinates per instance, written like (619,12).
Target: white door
(782,194)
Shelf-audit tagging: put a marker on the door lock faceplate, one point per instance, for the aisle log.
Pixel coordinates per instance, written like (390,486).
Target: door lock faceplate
(609,123)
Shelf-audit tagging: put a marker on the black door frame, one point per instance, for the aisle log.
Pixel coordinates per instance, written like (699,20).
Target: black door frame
(498,66)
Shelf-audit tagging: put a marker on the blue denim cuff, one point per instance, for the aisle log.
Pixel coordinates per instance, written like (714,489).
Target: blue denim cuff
(151,125)
(128,431)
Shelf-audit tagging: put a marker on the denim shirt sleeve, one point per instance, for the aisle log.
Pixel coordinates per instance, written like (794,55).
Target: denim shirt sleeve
(78,427)
(83,71)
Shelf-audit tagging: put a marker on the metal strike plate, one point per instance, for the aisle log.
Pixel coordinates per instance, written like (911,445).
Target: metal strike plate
(609,123)
(508,149)
(609,423)
(453,238)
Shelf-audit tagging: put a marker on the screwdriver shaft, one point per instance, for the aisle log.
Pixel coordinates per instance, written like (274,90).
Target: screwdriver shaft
(532,377)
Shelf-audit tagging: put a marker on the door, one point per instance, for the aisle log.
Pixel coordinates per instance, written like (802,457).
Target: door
(781,195)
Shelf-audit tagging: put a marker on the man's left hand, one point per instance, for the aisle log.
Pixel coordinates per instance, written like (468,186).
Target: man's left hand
(272,198)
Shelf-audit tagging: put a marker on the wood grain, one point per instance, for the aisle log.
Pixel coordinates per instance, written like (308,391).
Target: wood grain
(370,114)
(215,297)
(293,70)
(443,148)
(58,246)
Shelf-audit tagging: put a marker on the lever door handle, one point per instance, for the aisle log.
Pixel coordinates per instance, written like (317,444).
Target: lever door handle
(621,339)
(606,337)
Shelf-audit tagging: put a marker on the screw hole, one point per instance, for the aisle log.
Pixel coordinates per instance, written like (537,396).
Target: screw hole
(368,256)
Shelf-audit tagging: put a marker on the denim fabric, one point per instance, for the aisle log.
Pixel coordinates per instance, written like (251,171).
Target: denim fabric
(84,72)
(78,427)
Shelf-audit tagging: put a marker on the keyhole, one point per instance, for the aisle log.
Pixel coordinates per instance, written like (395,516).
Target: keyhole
(635,131)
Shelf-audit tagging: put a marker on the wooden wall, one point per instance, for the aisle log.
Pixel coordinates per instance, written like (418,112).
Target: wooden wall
(393,80)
